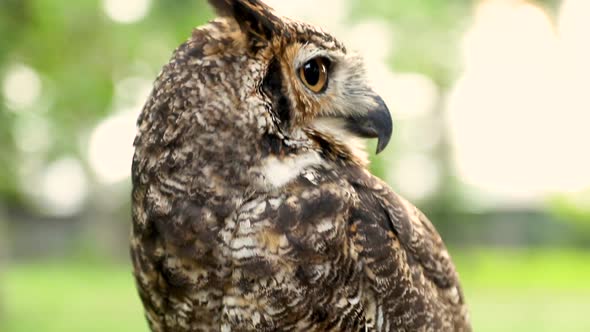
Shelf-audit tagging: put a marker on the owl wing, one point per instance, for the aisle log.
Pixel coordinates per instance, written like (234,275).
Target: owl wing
(411,276)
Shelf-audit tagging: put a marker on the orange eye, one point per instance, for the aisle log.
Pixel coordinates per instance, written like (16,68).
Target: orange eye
(314,74)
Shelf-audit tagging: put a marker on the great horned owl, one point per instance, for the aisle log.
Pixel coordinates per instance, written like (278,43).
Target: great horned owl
(253,209)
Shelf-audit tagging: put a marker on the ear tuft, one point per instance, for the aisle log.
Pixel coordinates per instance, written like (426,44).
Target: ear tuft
(254,17)
(222,7)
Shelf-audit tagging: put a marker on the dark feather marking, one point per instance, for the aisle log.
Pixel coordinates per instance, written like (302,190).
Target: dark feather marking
(273,87)
(372,210)
(256,267)
(320,314)
(314,210)
(272,144)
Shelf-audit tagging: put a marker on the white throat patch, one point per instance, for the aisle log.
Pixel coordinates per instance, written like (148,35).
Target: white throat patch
(278,172)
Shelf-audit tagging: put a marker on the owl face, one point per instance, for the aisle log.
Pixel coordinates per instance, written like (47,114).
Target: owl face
(311,82)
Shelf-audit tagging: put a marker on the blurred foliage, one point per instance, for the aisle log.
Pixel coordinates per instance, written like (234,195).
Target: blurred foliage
(79,52)
(424,28)
(574,208)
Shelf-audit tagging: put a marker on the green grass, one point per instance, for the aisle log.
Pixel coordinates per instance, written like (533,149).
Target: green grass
(506,291)
(67,296)
(533,290)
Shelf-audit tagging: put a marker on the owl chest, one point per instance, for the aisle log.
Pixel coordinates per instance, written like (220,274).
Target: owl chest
(290,265)
(278,262)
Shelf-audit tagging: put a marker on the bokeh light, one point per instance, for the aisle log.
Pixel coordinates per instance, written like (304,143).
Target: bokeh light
(63,187)
(126,11)
(573,27)
(111,147)
(413,95)
(416,175)
(518,127)
(21,87)
(328,14)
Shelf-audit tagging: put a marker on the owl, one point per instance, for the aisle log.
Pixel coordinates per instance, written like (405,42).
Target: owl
(252,205)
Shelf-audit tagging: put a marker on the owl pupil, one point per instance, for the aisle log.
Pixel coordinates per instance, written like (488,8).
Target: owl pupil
(311,71)
(314,74)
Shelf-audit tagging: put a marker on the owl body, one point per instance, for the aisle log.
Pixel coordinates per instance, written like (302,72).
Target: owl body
(253,209)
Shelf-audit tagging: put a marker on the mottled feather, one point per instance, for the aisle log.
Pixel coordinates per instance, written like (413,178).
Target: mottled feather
(248,215)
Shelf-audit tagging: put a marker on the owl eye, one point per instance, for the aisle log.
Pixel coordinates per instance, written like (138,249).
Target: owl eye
(314,74)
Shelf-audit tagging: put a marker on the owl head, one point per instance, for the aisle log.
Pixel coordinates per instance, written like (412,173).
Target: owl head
(313,83)
(249,89)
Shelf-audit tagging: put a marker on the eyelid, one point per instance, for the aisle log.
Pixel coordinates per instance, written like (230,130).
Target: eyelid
(308,53)
(315,56)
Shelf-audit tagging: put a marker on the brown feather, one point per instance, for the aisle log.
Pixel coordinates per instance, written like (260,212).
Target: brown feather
(244,223)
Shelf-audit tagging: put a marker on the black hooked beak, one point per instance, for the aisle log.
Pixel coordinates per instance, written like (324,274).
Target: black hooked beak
(376,123)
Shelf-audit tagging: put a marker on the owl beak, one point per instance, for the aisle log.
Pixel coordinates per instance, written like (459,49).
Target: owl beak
(376,123)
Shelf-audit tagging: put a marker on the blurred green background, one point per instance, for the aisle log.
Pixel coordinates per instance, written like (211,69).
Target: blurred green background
(491,111)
